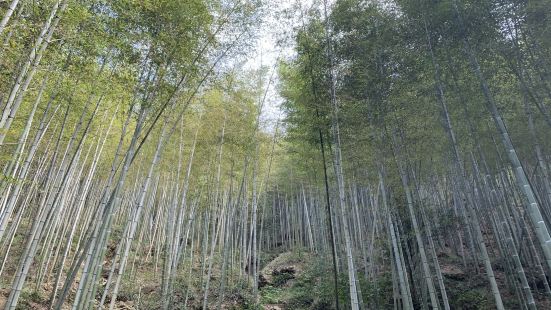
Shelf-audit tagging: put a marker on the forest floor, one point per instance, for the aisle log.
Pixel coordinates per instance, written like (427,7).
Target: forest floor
(300,280)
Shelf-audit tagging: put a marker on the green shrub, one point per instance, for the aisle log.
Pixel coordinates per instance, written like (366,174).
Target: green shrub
(472,300)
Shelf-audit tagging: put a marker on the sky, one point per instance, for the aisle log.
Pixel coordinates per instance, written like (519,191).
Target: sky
(277,26)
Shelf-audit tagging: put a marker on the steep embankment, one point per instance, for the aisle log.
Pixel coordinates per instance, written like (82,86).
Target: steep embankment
(294,280)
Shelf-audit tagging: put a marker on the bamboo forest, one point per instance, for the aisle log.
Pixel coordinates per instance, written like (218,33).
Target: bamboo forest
(275,154)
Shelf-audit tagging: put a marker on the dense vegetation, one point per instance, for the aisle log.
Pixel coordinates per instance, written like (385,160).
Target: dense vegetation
(407,168)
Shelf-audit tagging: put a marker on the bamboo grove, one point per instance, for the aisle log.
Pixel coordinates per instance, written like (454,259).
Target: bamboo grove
(425,125)
(407,168)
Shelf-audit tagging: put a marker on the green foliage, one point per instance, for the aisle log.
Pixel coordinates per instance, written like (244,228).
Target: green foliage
(386,85)
(378,292)
(31,298)
(271,295)
(472,300)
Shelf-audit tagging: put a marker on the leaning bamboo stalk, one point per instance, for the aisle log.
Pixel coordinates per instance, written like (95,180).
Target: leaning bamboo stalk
(51,210)
(134,219)
(407,301)
(18,91)
(420,243)
(7,15)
